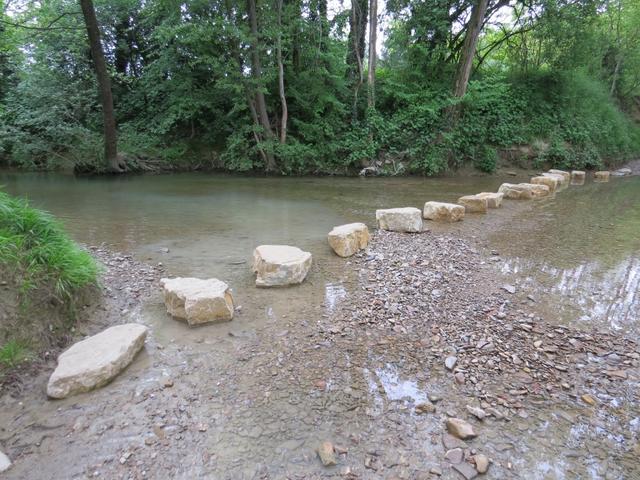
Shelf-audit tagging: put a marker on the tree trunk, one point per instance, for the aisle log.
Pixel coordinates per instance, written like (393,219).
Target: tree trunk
(256,72)
(469,48)
(283,98)
(356,44)
(373,30)
(104,86)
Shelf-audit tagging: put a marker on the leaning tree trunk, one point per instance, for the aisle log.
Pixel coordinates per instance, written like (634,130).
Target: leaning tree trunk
(355,52)
(104,87)
(283,97)
(373,30)
(469,48)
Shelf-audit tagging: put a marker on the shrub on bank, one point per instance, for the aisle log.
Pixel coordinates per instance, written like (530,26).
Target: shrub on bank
(41,266)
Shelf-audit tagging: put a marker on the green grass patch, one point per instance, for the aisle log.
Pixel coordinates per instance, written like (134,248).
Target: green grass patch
(12,353)
(36,248)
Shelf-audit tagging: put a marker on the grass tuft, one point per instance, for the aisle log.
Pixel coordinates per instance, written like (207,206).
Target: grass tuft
(12,353)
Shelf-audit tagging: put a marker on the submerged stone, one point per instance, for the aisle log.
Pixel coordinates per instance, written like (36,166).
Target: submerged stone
(406,219)
(348,239)
(198,301)
(443,212)
(96,360)
(280,265)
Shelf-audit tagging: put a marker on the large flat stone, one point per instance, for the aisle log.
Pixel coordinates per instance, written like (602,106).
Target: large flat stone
(494,200)
(474,204)
(443,212)
(96,360)
(280,265)
(198,301)
(562,173)
(578,177)
(523,191)
(348,239)
(407,219)
(602,176)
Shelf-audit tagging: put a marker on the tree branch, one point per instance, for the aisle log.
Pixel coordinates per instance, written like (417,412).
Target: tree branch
(47,28)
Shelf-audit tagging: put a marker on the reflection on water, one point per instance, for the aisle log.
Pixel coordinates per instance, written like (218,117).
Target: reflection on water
(333,294)
(579,258)
(395,387)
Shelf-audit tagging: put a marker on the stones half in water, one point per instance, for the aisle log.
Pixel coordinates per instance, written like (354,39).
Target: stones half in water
(474,204)
(550,181)
(523,191)
(622,172)
(443,212)
(494,200)
(198,301)
(562,173)
(348,239)
(578,177)
(602,176)
(280,265)
(96,360)
(406,219)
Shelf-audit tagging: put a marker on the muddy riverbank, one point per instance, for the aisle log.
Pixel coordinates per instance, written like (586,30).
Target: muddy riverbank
(361,365)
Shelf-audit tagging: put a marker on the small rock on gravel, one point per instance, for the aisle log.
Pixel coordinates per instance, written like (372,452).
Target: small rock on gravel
(479,413)
(461,429)
(455,455)
(5,463)
(327,455)
(466,470)
(482,462)
(450,362)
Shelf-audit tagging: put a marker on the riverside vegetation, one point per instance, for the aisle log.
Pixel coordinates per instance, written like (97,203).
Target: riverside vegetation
(314,87)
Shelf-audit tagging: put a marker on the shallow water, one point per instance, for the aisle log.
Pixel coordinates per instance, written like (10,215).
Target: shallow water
(577,254)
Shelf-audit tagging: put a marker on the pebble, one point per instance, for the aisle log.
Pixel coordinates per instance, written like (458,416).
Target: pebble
(450,362)
(482,462)
(327,455)
(426,407)
(509,288)
(460,428)
(5,463)
(455,455)
(479,413)
(466,470)
(586,398)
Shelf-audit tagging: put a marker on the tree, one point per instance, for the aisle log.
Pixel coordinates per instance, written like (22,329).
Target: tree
(469,48)
(373,30)
(113,162)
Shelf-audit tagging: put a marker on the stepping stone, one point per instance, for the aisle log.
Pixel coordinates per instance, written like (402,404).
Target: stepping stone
(474,204)
(407,219)
(523,191)
(560,179)
(95,361)
(494,200)
(550,181)
(602,176)
(198,301)
(578,177)
(348,239)
(5,463)
(280,265)
(443,212)
(562,173)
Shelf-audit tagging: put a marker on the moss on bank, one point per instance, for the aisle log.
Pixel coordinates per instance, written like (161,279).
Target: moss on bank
(44,274)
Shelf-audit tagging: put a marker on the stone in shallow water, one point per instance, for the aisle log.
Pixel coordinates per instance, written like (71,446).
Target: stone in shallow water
(578,177)
(523,191)
(280,265)
(198,301)
(550,181)
(443,212)
(602,176)
(346,240)
(5,463)
(562,173)
(96,360)
(494,200)
(474,204)
(407,219)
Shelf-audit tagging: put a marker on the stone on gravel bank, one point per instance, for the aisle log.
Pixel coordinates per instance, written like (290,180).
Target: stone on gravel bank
(443,212)
(96,360)
(494,200)
(407,219)
(474,204)
(5,463)
(461,429)
(602,176)
(327,455)
(198,301)
(279,265)
(549,181)
(346,240)
(622,172)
